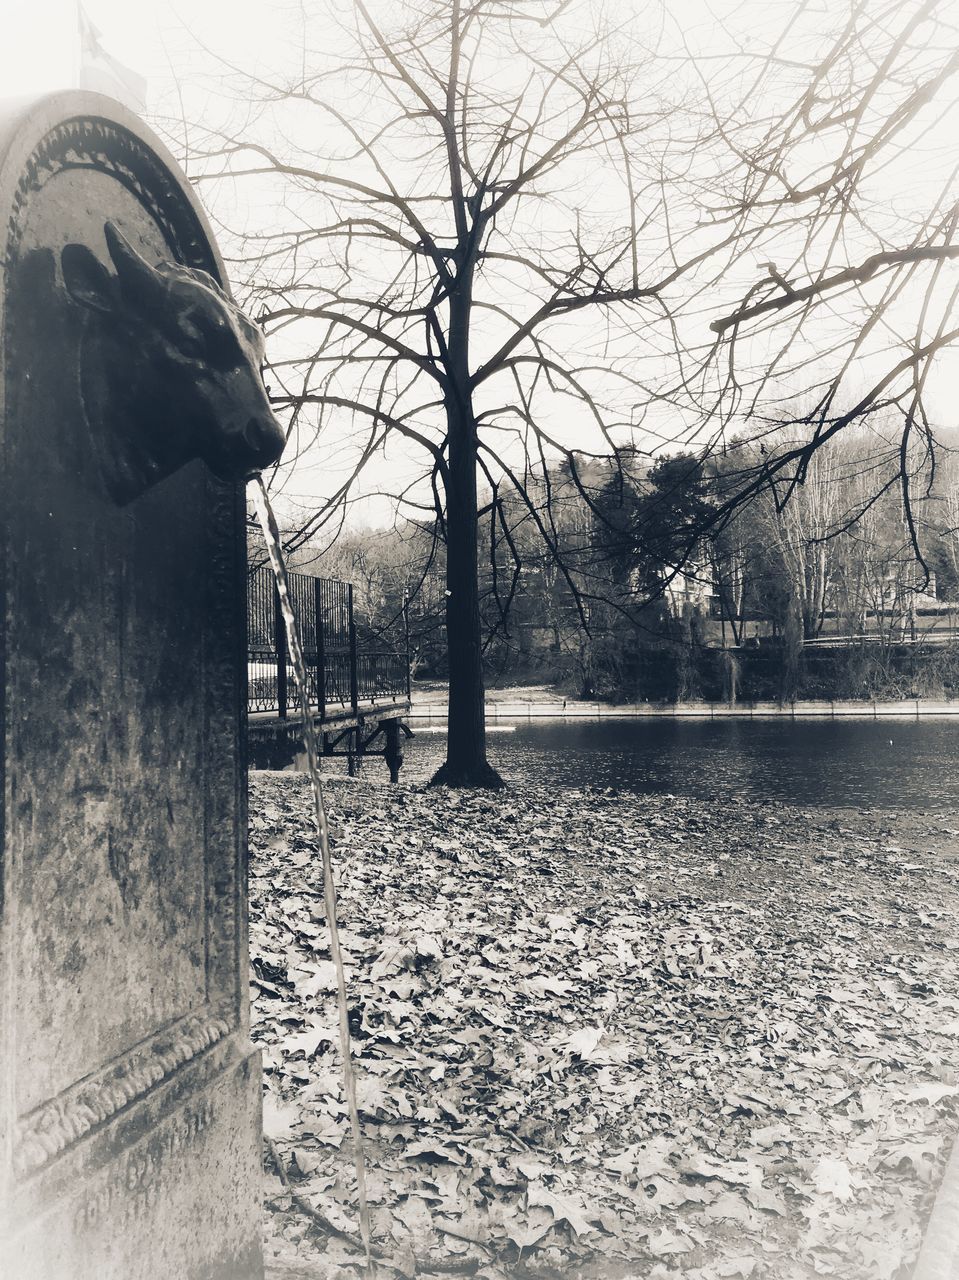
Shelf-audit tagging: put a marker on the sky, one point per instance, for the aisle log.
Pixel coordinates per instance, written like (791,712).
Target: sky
(167,40)
(41,45)
(40,51)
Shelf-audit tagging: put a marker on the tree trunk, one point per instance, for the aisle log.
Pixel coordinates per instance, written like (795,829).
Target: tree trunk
(466,764)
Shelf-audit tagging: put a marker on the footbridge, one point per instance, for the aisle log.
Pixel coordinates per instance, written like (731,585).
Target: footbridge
(358,695)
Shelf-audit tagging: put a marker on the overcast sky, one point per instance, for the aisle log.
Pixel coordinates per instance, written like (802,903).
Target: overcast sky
(40,47)
(163,41)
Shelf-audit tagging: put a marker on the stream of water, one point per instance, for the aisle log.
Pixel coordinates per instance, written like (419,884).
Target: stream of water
(271,535)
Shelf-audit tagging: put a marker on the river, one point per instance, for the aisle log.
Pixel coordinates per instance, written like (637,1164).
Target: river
(887,763)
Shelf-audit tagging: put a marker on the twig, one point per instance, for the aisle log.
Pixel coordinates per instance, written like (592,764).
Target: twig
(428,1265)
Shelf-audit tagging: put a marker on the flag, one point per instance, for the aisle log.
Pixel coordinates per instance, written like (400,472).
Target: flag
(102,73)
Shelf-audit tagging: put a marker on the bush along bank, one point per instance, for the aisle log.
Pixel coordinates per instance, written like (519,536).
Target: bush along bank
(769,671)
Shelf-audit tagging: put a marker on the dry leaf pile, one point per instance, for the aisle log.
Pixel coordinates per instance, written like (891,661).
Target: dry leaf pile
(608,1035)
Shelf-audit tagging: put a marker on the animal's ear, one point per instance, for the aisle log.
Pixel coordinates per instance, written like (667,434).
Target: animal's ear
(138,279)
(88,281)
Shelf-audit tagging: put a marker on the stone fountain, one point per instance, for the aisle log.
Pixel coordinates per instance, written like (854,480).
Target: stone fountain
(132,409)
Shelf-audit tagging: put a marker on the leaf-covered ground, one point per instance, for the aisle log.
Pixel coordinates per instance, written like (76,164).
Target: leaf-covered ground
(608,1035)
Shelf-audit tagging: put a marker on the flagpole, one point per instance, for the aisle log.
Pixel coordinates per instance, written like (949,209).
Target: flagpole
(99,70)
(78,48)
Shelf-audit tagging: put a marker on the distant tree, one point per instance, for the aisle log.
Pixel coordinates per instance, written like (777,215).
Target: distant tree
(943,524)
(792,651)
(670,513)
(731,561)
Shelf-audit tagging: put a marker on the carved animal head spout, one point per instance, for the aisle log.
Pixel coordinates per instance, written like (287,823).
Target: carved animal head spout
(170,371)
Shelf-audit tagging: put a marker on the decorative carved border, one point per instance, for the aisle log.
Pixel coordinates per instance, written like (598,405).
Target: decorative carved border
(95,143)
(55,1125)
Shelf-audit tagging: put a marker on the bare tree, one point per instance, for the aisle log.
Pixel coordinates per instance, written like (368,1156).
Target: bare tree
(429,280)
(501,226)
(804,529)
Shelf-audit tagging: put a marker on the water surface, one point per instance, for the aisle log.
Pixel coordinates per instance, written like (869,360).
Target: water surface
(887,763)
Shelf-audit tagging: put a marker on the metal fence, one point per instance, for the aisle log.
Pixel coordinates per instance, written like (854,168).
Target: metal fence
(339,676)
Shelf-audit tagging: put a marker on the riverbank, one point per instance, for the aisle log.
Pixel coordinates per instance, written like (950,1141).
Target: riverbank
(533,702)
(602,1035)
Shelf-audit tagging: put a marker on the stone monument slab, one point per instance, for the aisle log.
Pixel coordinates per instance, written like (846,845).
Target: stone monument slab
(129,1092)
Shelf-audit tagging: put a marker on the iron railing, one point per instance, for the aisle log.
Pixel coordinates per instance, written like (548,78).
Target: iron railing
(380,675)
(339,676)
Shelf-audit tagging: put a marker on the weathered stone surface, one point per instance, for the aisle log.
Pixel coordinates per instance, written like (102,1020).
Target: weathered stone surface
(174,1202)
(129,1108)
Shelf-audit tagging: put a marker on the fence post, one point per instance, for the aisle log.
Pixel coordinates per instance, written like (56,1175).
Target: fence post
(406,643)
(320,648)
(354,688)
(279,638)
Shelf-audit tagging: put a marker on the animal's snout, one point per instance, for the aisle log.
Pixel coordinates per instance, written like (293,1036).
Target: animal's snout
(266,440)
(242,454)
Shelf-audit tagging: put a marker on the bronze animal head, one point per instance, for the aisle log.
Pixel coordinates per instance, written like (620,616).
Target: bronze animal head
(170,370)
